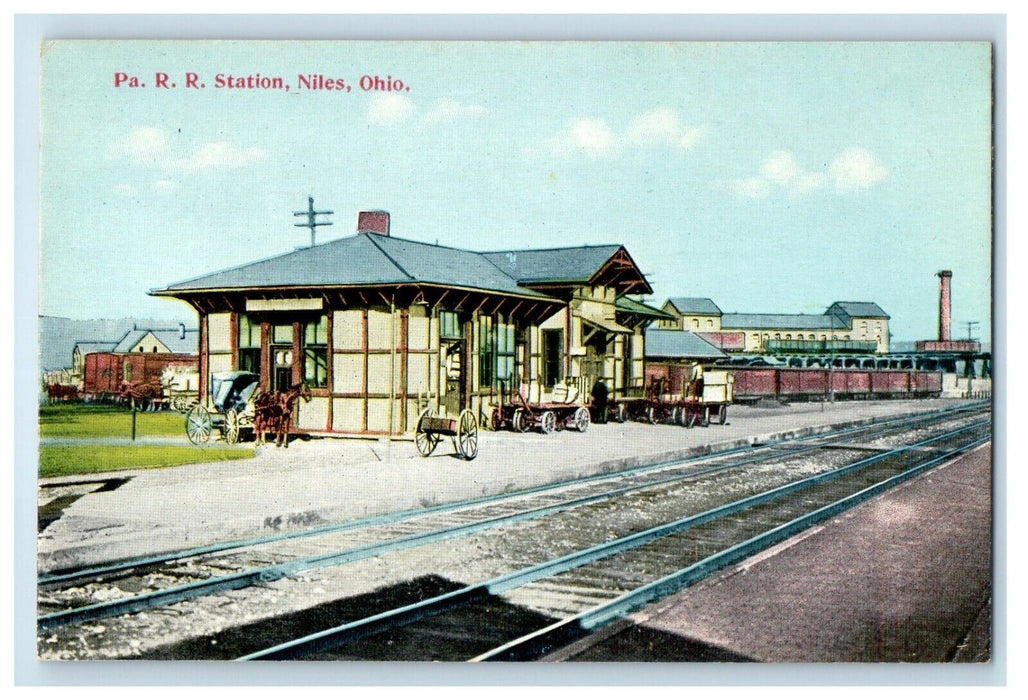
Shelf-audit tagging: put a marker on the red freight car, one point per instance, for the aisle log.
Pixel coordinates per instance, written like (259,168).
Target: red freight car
(752,383)
(105,374)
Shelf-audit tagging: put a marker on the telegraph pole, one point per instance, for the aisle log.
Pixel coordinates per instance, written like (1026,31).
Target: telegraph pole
(310,213)
(971,327)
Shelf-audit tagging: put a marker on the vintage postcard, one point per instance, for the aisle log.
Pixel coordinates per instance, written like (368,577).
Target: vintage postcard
(515,351)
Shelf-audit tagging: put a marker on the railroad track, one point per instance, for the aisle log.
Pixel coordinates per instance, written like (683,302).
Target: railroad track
(400,532)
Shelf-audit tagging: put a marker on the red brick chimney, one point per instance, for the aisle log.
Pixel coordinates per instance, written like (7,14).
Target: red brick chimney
(944,304)
(373,222)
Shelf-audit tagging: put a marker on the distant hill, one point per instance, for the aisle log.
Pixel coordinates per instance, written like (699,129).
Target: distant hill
(58,336)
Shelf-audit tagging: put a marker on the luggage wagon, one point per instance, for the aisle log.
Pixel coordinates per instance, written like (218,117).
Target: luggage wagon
(228,408)
(696,398)
(564,411)
(463,431)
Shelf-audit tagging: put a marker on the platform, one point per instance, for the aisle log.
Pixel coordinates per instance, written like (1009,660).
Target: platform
(903,577)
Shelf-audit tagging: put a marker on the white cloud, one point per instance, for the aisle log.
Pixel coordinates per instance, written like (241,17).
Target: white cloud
(752,187)
(660,127)
(449,110)
(591,136)
(386,109)
(780,167)
(220,154)
(150,146)
(594,138)
(855,169)
(852,169)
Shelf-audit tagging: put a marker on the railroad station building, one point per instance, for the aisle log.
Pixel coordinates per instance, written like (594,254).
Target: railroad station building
(380,327)
(844,327)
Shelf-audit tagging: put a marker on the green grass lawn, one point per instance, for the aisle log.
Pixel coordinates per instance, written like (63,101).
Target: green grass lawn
(101,421)
(82,421)
(66,460)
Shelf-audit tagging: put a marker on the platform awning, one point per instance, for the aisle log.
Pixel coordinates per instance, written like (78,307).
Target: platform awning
(603,325)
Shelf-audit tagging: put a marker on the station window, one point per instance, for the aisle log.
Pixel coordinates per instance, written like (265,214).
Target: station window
(710,323)
(249,345)
(696,323)
(449,325)
(496,352)
(315,353)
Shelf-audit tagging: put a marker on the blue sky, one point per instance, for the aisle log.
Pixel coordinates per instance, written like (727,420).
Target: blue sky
(775,177)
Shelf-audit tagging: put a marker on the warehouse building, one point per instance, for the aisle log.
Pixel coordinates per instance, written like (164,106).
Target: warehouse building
(844,327)
(380,327)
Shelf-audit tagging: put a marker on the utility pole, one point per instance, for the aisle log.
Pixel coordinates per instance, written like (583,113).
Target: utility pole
(971,326)
(310,213)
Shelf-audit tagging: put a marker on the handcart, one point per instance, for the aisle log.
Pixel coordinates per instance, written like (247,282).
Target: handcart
(463,431)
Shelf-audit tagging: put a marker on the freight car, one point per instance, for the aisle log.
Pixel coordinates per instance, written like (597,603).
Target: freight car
(817,384)
(105,375)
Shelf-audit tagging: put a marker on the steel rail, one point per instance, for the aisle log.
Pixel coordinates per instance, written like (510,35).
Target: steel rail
(561,633)
(274,572)
(325,640)
(98,572)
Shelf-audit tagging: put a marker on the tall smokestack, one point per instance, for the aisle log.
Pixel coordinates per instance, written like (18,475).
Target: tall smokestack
(944,304)
(373,222)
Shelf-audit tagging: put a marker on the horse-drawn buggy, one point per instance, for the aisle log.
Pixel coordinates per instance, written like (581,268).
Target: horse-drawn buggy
(563,410)
(228,408)
(235,407)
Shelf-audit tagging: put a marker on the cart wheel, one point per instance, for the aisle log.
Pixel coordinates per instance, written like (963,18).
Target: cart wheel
(690,420)
(198,425)
(722,414)
(424,441)
(582,419)
(621,414)
(651,415)
(706,416)
(548,422)
(677,415)
(518,422)
(467,435)
(495,420)
(231,427)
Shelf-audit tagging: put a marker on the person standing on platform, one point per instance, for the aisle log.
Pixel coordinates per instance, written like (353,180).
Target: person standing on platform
(599,394)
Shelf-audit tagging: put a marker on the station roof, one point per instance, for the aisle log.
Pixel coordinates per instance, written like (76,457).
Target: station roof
(695,305)
(672,343)
(782,321)
(372,259)
(598,264)
(859,309)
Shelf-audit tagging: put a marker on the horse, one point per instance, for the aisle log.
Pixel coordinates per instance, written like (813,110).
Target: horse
(273,413)
(146,396)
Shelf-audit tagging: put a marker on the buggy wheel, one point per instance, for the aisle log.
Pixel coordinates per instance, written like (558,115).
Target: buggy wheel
(467,435)
(582,419)
(548,422)
(690,419)
(424,441)
(198,425)
(722,414)
(230,428)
